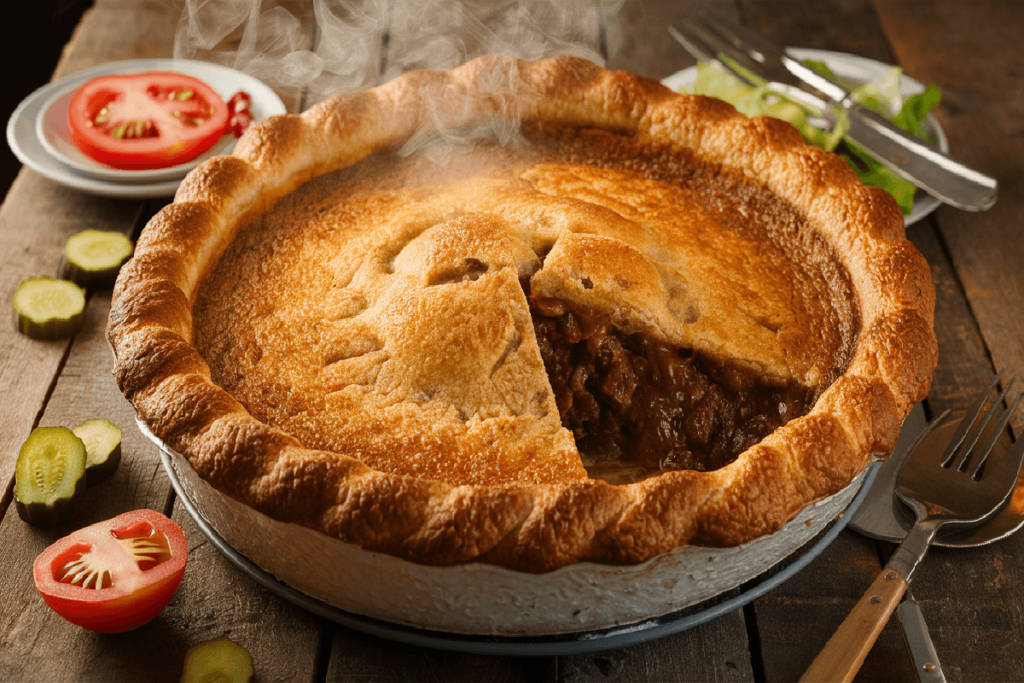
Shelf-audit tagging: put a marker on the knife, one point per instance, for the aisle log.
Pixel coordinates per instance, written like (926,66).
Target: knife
(903,154)
(919,643)
(876,518)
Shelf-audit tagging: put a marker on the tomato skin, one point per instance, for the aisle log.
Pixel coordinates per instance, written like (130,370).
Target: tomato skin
(136,595)
(142,97)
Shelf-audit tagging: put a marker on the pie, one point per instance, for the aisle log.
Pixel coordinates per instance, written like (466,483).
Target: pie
(528,314)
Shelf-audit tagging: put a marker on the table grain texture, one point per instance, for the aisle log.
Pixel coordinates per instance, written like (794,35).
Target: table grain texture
(973,599)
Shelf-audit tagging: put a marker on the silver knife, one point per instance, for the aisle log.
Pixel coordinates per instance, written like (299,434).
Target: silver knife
(876,517)
(919,643)
(903,154)
(906,156)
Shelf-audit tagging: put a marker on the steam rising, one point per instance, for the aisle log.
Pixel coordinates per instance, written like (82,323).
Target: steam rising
(331,46)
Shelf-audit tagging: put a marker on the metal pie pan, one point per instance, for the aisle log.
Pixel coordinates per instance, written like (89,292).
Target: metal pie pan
(574,636)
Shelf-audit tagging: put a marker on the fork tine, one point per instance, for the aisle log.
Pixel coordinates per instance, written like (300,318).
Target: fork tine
(983,454)
(978,429)
(1006,473)
(701,51)
(969,419)
(756,46)
(697,50)
(723,49)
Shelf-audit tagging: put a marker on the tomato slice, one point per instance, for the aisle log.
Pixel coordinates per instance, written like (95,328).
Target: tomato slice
(148,120)
(115,575)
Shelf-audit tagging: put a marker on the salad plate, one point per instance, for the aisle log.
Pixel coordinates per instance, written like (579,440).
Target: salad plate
(852,69)
(37,130)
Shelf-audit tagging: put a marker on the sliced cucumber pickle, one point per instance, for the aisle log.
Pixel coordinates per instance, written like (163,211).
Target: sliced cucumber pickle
(220,660)
(48,308)
(92,258)
(49,478)
(102,441)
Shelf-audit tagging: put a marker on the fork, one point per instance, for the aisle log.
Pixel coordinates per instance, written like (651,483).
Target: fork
(951,489)
(756,61)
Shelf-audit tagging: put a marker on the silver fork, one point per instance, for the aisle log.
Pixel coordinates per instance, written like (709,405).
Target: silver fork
(953,488)
(755,60)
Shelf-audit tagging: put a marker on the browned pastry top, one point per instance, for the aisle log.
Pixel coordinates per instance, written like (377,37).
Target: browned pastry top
(344,337)
(380,311)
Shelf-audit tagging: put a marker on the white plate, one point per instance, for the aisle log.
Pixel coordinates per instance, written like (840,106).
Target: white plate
(30,125)
(860,70)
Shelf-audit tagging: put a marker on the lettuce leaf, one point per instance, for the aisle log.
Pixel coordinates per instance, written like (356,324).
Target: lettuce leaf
(916,109)
(762,101)
(881,95)
(872,172)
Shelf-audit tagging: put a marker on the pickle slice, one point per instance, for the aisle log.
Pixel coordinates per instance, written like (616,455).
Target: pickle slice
(48,308)
(220,660)
(49,477)
(102,441)
(92,258)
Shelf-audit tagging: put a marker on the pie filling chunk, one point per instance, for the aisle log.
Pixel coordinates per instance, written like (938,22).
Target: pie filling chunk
(637,406)
(532,313)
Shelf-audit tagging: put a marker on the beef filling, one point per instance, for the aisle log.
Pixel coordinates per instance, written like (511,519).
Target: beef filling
(637,406)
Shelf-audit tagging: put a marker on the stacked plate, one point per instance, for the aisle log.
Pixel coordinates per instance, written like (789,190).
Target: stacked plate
(38,130)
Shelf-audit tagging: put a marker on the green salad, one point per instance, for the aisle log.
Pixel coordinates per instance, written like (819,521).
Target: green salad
(881,95)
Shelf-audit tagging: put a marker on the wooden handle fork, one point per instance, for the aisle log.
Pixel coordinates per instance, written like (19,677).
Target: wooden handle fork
(845,651)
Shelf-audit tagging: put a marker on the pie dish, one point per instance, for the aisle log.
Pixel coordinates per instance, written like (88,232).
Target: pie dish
(408,353)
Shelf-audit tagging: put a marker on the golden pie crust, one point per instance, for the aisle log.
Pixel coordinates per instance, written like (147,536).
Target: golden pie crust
(376,376)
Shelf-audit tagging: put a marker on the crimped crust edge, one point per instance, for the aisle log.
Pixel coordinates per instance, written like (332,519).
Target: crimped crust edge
(528,528)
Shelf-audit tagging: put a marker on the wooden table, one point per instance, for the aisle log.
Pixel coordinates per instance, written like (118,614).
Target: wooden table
(973,599)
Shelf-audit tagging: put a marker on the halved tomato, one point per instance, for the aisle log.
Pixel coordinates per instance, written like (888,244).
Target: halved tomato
(115,575)
(148,120)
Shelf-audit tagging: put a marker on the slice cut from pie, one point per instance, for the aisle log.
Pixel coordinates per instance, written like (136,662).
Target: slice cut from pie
(646,321)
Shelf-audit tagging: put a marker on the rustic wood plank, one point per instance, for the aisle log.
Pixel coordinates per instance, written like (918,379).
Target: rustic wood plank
(971,599)
(217,600)
(214,600)
(270,38)
(646,47)
(114,31)
(85,390)
(989,580)
(360,658)
(47,29)
(715,651)
(964,365)
(35,221)
(842,25)
(796,620)
(982,117)
(968,54)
